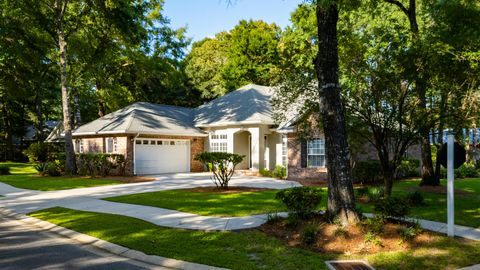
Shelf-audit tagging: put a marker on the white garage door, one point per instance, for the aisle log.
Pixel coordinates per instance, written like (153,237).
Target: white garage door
(161,156)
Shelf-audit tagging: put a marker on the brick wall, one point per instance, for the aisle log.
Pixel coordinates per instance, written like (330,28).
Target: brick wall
(295,170)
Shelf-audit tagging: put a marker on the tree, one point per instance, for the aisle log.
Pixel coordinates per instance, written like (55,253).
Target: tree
(246,54)
(221,164)
(341,200)
(430,50)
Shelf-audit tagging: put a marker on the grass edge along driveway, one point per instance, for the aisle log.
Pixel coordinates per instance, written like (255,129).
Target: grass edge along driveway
(249,249)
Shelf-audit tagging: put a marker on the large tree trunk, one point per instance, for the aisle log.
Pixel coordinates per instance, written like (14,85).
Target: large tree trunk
(341,200)
(39,121)
(77,119)
(8,132)
(67,125)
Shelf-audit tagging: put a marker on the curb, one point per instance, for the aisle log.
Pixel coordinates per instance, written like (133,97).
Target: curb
(107,246)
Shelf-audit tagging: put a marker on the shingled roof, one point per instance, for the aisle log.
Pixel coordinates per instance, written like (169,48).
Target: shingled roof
(247,105)
(144,118)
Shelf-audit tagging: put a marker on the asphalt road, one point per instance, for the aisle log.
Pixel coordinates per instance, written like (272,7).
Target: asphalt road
(26,247)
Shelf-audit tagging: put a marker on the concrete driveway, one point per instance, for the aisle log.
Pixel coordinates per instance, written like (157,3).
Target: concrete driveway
(89,199)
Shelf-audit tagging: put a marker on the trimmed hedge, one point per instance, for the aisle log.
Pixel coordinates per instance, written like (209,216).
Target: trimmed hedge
(99,164)
(4,170)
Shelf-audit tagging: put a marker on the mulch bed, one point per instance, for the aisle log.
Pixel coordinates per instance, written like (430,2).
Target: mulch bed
(330,239)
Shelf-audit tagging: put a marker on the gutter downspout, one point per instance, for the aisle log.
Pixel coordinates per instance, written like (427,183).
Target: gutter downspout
(134,151)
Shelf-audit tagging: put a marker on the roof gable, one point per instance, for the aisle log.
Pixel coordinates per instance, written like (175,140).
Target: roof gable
(249,104)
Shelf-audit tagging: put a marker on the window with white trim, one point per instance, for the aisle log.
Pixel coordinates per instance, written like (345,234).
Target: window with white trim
(316,153)
(218,143)
(111,145)
(284,150)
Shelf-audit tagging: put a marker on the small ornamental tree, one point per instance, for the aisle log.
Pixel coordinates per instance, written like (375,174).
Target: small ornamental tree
(221,164)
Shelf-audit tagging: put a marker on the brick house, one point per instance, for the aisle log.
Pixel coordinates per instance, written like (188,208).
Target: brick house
(159,139)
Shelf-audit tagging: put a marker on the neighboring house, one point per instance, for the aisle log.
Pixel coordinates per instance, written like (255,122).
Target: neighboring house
(163,139)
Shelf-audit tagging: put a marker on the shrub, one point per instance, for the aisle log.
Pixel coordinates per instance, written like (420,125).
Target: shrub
(367,172)
(373,225)
(375,193)
(43,152)
(4,169)
(42,168)
(265,173)
(408,167)
(292,221)
(467,170)
(280,172)
(95,164)
(409,232)
(414,198)
(464,171)
(221,164)
(54,169)
(309,234)
(394,207)
(300,201)
(372,238)
(36,152)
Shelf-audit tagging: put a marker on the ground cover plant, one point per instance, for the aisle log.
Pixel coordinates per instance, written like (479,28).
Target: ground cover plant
(23,175)
(209,201)
(253,249)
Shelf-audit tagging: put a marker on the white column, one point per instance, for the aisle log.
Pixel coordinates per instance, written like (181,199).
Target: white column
(230,140)
(257,148)
(450,187)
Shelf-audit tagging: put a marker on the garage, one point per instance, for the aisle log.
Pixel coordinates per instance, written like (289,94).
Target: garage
(154,156)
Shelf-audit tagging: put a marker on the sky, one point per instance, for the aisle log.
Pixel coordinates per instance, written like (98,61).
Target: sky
(205,18)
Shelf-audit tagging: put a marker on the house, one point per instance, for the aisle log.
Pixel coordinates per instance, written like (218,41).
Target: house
(159,139)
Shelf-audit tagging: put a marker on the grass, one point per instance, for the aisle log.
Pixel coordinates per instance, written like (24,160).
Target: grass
(248,249)
(467,206)
(23,176)
(208,203)
(236,250)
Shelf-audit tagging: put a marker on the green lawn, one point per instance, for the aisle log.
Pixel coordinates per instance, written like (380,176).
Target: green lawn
(208,203)
(247,249)
(467,206)
(23,176)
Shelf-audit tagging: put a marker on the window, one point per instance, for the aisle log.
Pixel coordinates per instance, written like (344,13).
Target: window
(219,136)
(138,142)
(284,150)
(79,145)
(111,146)
(316,153)
(145,141)
(159,142)
(218,143)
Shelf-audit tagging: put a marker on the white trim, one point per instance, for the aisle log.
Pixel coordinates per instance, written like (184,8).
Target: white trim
(134,151)
(143,133)
(234,123)
(286,130)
